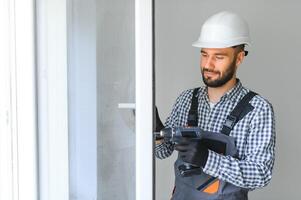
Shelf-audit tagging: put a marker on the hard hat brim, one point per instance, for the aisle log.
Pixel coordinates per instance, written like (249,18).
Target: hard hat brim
(199,44)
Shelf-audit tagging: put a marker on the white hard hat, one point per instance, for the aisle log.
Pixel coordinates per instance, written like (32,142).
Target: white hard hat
(224,29)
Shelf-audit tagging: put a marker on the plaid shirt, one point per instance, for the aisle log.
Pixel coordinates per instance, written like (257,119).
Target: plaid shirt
(254,136)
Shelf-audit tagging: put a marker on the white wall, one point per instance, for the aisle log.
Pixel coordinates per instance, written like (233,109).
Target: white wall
(271,69)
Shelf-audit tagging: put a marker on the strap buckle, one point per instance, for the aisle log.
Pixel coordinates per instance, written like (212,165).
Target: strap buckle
(230,121)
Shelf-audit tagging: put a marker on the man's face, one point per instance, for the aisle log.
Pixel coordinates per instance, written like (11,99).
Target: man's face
(218,65)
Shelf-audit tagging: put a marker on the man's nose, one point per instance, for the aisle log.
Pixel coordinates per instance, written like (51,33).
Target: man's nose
(208,63)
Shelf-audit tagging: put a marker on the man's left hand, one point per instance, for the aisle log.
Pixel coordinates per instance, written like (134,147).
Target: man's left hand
(192,151)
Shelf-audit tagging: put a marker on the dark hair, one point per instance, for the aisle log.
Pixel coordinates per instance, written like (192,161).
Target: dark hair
(241,47)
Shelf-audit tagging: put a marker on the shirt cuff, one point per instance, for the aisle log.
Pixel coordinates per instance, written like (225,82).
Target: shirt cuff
(213,163)
(159,147)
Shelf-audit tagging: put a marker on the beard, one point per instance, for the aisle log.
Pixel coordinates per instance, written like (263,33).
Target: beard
(221,80)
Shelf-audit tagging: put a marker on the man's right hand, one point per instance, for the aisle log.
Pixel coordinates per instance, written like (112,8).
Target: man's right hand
(157,142)
(158,126)
(158,123)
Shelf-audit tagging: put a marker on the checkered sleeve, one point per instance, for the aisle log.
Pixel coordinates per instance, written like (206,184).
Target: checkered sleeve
(254,168)
(166,148)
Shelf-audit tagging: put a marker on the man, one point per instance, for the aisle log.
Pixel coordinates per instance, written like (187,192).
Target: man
(222,47)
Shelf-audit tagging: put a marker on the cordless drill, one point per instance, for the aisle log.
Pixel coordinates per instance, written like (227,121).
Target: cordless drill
(172,134)
(176,133)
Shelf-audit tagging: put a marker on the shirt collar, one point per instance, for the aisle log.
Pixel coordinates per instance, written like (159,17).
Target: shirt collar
(232,94)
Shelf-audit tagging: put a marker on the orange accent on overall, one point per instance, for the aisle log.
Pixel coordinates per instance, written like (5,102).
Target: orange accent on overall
(212,188)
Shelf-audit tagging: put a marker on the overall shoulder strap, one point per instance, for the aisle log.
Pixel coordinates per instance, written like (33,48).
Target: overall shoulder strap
(241,109)
(193,112)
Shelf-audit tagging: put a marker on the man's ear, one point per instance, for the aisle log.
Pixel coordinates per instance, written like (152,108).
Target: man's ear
(240,57)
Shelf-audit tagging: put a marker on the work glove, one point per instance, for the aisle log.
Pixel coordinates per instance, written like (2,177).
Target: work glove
(192,151)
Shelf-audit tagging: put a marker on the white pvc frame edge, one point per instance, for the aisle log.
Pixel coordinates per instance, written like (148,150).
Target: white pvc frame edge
(144,100)
(7,40)
(52,99)
(26,98)
(21,92)
(21,106)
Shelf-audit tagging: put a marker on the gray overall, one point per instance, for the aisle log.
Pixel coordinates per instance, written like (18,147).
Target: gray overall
(193,187)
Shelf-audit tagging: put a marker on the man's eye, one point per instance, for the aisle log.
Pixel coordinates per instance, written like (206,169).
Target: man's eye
(219,57)
(204,55)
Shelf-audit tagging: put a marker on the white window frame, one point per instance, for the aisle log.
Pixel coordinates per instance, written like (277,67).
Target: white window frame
(52,47)
(144,100)
(18,130)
